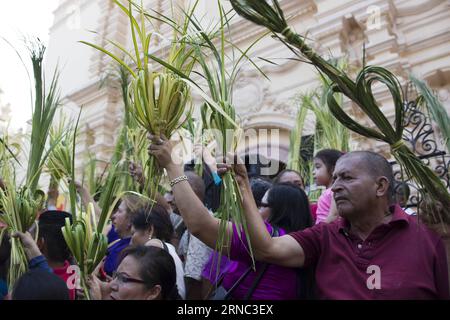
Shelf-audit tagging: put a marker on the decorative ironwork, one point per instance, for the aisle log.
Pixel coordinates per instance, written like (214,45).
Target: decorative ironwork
(418,131)
(419,134)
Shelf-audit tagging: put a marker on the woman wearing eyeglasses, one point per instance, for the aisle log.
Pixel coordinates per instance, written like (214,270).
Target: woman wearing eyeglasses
(144,273)
(154,228)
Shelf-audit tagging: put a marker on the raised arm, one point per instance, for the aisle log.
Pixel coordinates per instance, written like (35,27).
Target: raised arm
(137,174)
(86,198)
(284,250)
(195,215)
(36,259)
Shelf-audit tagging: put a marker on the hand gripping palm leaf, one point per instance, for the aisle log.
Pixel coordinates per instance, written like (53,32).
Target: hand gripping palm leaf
(159,101)
(20,205)
(218,114)
(269,14)
(87,243)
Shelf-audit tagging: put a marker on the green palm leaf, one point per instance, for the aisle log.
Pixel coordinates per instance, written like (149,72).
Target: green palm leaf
(269,14)
(435,107)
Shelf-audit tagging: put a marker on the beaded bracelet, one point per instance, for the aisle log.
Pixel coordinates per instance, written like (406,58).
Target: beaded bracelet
(178,179)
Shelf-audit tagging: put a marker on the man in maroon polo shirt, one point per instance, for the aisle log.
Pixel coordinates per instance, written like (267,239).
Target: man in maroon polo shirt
(373,251)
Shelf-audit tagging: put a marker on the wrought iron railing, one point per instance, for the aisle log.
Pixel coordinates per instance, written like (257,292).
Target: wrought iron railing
(420,135)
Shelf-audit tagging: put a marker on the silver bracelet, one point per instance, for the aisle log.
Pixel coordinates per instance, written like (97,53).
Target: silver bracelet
(178,179)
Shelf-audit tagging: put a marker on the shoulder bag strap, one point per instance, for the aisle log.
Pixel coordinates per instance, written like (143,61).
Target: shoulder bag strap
(274,233)
(261,272)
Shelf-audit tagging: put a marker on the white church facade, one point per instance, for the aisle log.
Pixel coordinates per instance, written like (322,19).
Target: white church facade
(401,35)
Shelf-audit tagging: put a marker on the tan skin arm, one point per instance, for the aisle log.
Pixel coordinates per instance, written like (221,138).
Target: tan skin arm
(99,290)
(86,198)
(283,250)
(29,245)
(52,195)
(136,172)
(195,215)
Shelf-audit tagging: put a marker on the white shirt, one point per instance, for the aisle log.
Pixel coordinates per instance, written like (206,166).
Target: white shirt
(178,267)
(409,211)
(179,270)
(196,255)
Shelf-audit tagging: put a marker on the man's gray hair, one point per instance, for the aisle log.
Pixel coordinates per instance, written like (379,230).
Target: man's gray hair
(376,166)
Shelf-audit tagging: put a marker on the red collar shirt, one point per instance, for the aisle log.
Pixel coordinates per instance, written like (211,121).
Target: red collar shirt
(401,259)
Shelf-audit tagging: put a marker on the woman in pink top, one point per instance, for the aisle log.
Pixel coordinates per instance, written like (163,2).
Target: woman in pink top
(324,163)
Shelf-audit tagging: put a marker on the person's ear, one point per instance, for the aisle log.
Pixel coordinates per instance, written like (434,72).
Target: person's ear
(331,172)
(41,244)
(151,232)
(382,186)
(154,293)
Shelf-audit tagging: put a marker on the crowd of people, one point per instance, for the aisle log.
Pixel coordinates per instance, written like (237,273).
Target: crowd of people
(358,241)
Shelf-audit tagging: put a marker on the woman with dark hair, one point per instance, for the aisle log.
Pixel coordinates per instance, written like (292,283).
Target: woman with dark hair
(144,273)
(259,187)
(287,208)
(324,162)
(154,228)
(39,284)
(268,281)
(291,176)
(151,224)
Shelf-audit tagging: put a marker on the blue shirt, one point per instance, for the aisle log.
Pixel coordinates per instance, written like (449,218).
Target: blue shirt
(3,289)
(113,253)
(39,262)
(112,235)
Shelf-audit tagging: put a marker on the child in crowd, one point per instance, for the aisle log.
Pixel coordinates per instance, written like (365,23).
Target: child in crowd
(324,163)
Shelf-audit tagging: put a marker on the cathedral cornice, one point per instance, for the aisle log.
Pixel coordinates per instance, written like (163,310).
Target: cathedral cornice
(88,94)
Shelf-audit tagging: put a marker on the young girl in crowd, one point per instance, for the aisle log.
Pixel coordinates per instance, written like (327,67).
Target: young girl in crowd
(324,163)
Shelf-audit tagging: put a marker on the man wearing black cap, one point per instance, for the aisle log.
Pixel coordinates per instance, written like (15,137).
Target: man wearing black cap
(52,244)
